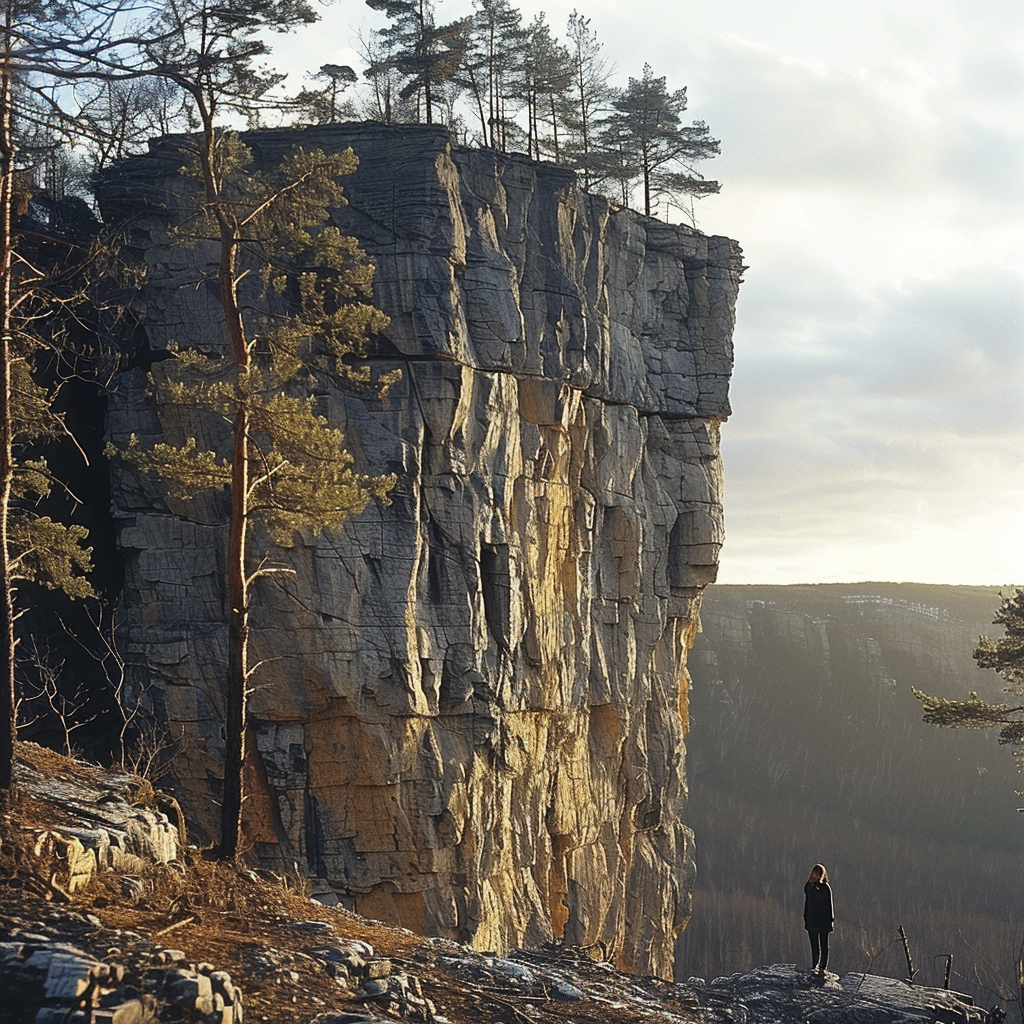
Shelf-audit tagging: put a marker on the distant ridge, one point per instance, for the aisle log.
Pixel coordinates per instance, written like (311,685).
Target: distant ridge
(806,744)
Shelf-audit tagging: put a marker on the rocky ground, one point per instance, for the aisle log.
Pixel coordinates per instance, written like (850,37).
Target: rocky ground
(107,918)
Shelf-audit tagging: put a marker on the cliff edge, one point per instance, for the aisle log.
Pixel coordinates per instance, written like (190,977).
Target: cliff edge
(471,718)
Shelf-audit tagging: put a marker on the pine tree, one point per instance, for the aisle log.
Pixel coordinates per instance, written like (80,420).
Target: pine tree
(425,54)
(647,141)
(326,105)
(386,103)
(288,469)
(546,78)
(1005,654)
(591,92)
(49,53)
(492,67)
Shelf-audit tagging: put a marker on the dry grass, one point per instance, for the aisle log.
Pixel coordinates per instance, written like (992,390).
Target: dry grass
(227,915)
(240,920)
(49,761)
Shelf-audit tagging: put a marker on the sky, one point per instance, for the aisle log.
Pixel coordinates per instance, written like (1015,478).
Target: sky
(872,169)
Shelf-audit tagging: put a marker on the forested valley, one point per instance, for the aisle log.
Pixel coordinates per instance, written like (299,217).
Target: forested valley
(806,744)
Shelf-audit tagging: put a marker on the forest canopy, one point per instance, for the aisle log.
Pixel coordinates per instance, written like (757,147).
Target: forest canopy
(495,80)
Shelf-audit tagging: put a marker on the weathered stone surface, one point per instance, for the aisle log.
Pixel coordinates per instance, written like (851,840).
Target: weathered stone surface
(103,829)
(767,995)
(472,718)
(45,979)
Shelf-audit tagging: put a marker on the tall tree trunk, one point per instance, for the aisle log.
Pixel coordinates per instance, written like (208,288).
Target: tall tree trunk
(236,698)
(585,129)
(425,46)
(646,163)
(554,127)
(236,702)
(8,703)
(491,87)
(477,95)
(236,705)
(531,125)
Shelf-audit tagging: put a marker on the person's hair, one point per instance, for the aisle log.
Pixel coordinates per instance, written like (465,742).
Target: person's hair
(818,869)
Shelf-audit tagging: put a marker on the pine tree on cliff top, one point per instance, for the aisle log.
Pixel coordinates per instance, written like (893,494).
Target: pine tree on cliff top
(644,141)
(425,54)
(590,93)
(492,67)
(547,74)
(326,105)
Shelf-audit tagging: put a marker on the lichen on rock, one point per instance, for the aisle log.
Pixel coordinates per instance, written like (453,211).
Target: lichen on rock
(471,717)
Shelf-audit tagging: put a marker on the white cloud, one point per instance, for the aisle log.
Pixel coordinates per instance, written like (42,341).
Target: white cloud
(880,437)
(880,131)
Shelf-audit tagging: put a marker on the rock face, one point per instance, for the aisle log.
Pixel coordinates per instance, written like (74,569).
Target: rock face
(471,720)
(104,826)
(767,995)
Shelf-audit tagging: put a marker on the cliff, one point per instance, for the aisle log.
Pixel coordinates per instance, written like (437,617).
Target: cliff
(471,717)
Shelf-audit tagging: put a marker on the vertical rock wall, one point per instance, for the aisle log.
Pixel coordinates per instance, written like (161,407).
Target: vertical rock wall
(472,718)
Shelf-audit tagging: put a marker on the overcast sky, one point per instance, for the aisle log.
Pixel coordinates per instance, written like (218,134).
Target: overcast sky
(873,171)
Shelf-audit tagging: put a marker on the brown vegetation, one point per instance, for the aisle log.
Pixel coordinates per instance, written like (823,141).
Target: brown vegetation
(240,920)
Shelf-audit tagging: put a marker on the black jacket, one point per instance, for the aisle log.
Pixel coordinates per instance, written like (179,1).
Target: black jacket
(818,915)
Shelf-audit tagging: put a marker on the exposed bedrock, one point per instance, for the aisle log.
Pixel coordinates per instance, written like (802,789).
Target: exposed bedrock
(471,718)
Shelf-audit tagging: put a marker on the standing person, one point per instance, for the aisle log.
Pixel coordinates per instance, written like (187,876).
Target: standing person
(818,915)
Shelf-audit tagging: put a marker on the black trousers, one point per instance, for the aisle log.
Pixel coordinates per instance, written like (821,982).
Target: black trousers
(819,949)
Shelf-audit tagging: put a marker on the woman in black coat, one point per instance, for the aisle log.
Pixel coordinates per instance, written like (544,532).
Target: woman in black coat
(818,915)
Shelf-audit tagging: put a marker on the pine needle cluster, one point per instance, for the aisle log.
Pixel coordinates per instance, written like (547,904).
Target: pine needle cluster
(1005,654)
(310,324)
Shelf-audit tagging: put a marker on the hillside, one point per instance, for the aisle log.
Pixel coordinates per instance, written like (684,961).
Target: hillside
(806,744)
(164,935)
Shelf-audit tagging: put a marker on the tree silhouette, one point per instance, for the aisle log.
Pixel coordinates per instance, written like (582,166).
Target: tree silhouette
(1005,654)
(50,54)
(426,54)
(491,68)
(325,105)
(545,78)
(590,93)
(644,139)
